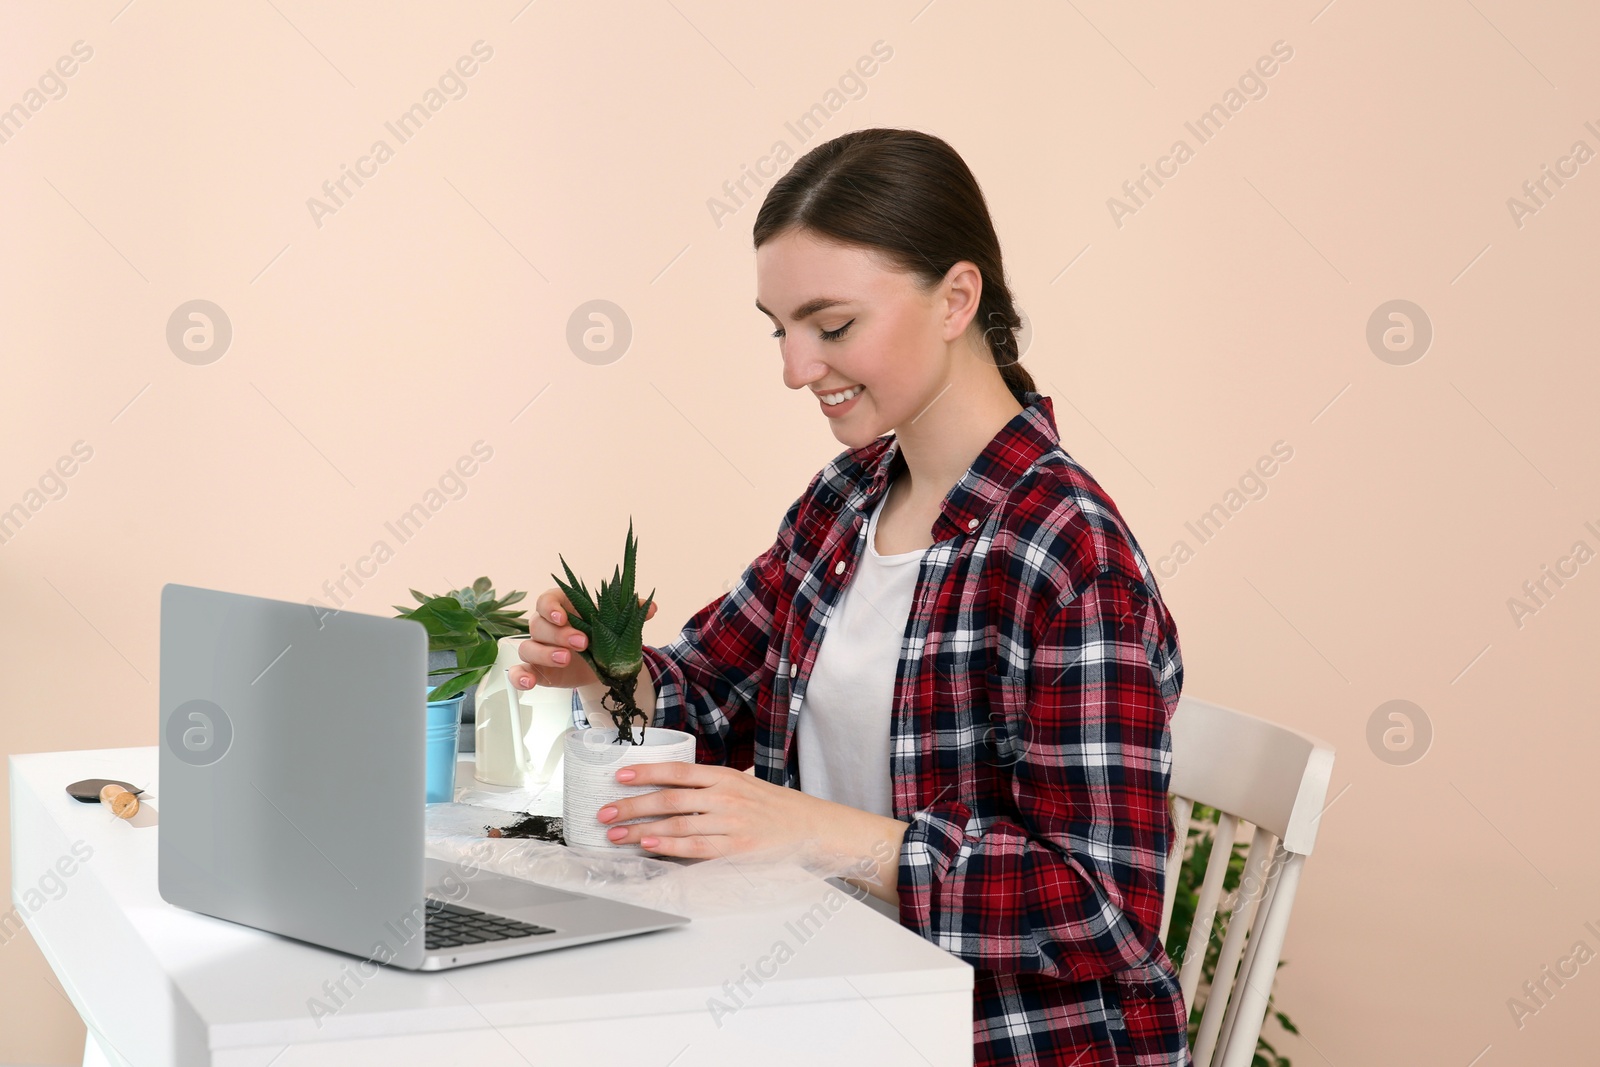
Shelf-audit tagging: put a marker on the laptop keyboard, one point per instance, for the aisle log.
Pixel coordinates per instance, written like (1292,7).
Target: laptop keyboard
(450,925)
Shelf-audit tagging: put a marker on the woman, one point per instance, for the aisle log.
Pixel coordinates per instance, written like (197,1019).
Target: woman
(954,658)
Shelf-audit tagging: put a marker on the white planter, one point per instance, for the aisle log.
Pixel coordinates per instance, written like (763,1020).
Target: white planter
(590,763)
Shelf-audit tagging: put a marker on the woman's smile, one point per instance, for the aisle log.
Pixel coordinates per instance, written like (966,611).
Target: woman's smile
(834,411)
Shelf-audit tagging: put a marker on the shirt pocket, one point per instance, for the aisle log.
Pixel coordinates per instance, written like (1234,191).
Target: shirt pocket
(1003,731)
(956,683)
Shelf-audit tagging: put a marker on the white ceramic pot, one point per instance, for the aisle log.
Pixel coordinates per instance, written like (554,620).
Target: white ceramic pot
(590,762)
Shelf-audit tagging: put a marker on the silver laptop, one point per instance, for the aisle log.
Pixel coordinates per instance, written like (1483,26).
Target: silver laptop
(293,782)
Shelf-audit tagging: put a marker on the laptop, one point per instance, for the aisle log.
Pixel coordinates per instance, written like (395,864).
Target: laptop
(293,793)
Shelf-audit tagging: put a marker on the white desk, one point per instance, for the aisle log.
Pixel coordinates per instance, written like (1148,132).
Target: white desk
(157,985)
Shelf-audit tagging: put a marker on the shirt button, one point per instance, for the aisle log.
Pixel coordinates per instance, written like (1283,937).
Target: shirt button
(972,524)
(838,568)
(794,669)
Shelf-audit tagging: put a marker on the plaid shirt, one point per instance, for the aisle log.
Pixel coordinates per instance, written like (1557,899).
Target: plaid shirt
(1029,744)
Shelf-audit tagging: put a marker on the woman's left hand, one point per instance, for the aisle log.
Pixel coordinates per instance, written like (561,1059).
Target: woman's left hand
(734,812)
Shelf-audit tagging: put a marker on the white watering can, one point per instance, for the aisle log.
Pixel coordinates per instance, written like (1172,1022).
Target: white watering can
(518,731)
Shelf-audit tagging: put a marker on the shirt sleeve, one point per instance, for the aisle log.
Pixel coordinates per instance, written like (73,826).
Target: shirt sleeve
(1071,886)
(708,677)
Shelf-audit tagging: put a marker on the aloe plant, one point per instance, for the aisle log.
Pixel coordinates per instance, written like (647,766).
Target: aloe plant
(470,621)
(614,624)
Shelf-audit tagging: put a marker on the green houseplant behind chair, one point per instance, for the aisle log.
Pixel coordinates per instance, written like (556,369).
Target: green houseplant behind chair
(1255,773)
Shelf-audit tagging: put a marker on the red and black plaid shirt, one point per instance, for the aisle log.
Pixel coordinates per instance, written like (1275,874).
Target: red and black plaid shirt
(1029,743)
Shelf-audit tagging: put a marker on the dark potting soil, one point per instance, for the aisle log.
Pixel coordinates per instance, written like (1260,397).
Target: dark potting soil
(538,827)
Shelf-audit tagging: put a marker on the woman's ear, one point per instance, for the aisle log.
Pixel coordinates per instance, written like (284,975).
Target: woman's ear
(962,291)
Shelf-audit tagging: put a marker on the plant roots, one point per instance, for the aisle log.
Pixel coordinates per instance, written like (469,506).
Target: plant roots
(618,700)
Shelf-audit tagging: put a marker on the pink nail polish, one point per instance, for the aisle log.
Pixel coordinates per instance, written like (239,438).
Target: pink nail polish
(625,775)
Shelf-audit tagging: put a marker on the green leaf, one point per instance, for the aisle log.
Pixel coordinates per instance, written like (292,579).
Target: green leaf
(505,618)
(584,609)
(482,654)
(499,630)
(458,684)
(613,621)
(444,615)
(451,642)
(482,586)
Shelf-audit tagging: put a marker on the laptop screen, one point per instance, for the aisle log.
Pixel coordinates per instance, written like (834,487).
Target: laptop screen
(291,769)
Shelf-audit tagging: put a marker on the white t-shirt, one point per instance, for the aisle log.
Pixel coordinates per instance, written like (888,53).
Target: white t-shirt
(843,732)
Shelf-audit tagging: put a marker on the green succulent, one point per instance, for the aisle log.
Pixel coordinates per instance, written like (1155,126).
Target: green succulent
(614,624)
(470,621)
(477,598)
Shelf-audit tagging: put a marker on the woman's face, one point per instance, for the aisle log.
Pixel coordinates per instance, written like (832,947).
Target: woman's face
(845,319)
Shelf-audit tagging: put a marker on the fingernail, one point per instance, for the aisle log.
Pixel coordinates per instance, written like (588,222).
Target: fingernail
(625,775)
(576,640)
(526,682)
(560,657)
(648,842)
(608,813)
(617,833)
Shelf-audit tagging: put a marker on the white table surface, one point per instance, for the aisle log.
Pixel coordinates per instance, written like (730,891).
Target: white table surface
(160,985)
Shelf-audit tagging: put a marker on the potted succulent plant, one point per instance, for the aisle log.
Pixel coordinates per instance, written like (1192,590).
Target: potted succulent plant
(614,626)
(469,623)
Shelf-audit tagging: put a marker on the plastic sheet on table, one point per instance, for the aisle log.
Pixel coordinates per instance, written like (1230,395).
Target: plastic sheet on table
(694,888)
(541,798)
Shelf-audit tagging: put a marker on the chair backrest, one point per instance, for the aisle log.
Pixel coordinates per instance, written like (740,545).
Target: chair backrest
(1275,780)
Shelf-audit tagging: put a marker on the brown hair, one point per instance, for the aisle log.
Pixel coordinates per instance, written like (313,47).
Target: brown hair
(908,196)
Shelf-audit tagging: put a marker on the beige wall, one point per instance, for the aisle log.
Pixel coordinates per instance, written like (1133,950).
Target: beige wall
(374,345)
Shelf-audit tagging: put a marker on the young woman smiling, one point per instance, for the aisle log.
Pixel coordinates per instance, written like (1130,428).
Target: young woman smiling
(954,658)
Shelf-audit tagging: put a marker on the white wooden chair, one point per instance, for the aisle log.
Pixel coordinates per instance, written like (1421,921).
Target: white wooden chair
(1272,778)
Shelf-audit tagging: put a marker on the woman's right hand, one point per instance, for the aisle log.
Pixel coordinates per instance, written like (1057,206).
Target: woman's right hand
(549,656)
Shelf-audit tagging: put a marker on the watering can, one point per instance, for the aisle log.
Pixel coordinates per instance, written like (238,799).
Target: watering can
(518,730)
